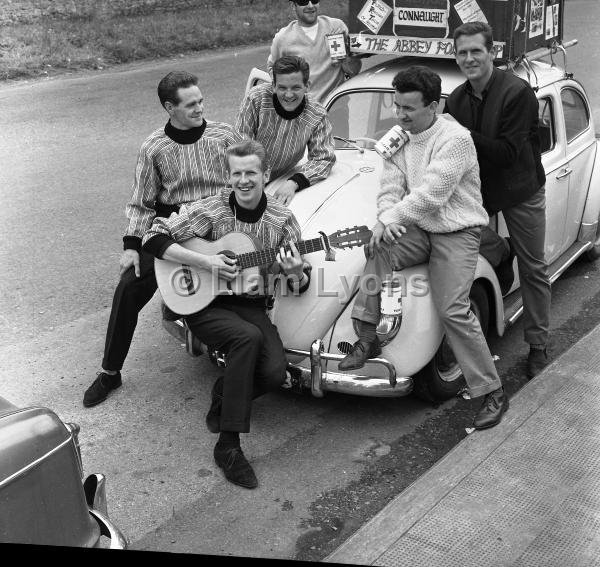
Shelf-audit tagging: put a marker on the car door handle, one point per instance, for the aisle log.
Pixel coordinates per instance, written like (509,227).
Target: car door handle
(566,171)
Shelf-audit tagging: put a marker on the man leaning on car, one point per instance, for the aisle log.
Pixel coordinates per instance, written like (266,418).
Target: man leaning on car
(288,122)
(501,112)
(429,209)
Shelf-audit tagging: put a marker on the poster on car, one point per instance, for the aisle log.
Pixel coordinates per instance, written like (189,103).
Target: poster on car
(425,27)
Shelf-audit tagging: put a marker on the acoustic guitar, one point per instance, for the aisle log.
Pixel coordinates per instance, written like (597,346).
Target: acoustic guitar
(186,289)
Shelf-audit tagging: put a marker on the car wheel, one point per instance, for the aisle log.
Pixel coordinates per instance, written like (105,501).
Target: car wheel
(593,253)
(442,378)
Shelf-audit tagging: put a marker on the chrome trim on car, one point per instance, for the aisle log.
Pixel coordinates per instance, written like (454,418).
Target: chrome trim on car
(95,495)
(74,431)
(587,233)
(34,464)
(108,529)
(319,380)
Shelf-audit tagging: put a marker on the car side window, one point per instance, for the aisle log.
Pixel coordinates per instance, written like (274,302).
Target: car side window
(575,109)
(546,128)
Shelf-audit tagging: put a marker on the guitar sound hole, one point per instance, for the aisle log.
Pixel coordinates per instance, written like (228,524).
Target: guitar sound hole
(184,282)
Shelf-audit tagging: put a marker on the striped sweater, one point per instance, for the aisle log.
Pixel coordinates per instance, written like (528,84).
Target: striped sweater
(286,138)
(170,172)
(433,181)
(214,217)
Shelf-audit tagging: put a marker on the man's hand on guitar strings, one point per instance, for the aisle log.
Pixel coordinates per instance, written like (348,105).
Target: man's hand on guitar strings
(290,260)
(225,267)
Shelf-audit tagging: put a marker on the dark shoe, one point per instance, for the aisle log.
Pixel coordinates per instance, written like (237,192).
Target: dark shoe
(536,361)
(293,379)
(169,315)
(359,354)
(100,388)
(235,466)
(504,270)
(494,405)
(213,417)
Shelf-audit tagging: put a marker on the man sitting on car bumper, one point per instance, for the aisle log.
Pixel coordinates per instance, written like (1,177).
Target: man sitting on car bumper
(430,210)
(236,324)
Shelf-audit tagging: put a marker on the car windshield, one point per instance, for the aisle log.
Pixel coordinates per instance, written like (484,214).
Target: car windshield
(363,114)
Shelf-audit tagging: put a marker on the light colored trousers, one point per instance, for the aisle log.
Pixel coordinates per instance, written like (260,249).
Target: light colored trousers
(526,224)
(452,259)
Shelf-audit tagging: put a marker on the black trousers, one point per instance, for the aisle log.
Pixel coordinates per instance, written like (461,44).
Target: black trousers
(255,359)
(130,296)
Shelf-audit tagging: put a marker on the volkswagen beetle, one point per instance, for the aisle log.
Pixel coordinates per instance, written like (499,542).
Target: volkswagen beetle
(317,329)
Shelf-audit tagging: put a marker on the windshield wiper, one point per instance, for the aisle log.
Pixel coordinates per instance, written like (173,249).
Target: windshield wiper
(350,143)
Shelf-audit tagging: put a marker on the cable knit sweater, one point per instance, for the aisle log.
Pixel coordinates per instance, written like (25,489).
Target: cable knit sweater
(433,181)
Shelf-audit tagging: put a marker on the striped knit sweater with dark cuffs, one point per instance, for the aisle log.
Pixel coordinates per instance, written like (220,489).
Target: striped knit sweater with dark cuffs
(212,218)
(286,135)
(174,167)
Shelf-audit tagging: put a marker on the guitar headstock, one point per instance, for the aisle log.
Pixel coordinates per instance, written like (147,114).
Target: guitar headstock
(350,237)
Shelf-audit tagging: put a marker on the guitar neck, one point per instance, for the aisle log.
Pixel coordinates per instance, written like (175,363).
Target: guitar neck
(268,256)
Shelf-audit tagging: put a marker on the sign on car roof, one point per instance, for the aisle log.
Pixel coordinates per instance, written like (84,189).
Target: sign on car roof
(425,27)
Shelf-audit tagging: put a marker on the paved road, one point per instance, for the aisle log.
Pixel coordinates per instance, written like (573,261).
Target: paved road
(67,153)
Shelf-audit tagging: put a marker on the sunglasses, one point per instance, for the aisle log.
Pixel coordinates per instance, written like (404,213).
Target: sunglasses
(305,2)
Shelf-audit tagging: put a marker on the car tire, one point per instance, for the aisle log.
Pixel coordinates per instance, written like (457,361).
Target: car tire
(441,378)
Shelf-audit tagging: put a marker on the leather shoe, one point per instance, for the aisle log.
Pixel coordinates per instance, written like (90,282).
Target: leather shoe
(293,379)
(359,354)
(213,417)
(100,388)
(235,466)
(169,315)
(504,270)
(536,361)
(494,405)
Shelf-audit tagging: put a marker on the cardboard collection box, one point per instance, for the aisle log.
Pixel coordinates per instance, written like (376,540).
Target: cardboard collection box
(425,27)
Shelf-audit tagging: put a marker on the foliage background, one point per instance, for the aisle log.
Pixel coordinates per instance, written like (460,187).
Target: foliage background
(44,37)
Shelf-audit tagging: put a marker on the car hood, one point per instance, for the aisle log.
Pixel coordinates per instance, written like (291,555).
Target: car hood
(347,198)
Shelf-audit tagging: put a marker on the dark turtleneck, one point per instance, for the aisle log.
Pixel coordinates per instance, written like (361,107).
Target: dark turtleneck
(288,115)
(190,136)
(247,215)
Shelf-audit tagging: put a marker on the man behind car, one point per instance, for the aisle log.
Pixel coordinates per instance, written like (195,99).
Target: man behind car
(306,37)
(182,162)
(288,122)
(430,210)
(236,324)
(501,112)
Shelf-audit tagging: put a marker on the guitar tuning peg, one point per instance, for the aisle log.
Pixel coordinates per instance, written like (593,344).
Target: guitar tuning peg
(330,255)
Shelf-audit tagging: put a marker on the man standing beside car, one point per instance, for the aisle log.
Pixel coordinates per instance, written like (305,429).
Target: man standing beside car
(287,121)
(501,112)
(180,163)
(430,210)
(306,37)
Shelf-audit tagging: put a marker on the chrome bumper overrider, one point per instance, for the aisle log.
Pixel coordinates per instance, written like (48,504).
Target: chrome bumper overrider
(95,494)
(319,380)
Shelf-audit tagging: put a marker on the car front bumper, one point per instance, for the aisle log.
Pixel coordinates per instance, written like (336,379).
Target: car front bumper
(320,380)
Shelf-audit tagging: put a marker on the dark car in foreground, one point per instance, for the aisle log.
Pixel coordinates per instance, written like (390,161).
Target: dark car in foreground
(44,499)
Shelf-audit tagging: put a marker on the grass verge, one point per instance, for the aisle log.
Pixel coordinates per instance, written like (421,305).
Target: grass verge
(54,45)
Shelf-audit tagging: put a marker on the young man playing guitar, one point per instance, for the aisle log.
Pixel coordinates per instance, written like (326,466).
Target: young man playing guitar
(236,324)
